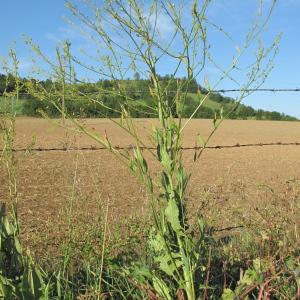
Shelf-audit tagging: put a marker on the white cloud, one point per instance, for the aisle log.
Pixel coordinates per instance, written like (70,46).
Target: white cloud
(164,25)
(69,32)
(52,37)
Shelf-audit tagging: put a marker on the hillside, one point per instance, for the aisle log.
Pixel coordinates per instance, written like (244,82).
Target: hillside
(138,100)
(216,102)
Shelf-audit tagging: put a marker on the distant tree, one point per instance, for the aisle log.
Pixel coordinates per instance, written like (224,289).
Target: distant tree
(274,115)
(2,83)
(137,76)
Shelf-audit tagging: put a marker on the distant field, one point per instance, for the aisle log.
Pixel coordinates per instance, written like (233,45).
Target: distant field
(5,104)
(234,177)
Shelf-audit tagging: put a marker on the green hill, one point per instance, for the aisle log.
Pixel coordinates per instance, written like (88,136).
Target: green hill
(216,102)
(139,101)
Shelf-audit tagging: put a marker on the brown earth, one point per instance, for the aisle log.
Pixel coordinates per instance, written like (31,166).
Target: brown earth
(93,181)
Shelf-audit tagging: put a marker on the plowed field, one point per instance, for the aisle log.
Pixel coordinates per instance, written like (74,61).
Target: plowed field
(238,178)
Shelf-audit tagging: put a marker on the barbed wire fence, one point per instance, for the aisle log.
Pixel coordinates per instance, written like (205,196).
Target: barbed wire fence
(203,90)
(130,147)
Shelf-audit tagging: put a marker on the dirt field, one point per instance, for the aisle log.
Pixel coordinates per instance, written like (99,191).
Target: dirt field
(94,180)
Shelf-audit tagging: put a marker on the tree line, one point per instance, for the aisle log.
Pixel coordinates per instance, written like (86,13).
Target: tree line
(99,99)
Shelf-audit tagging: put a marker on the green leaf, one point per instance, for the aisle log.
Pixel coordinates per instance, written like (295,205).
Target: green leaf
(200,141)
(166,160)
(228,294)
(161,288)
(168,261)
(251,277)
(201,224)
(32,283)
(7,289)
(141,272)
(172,215)
(215,120)
(18,245)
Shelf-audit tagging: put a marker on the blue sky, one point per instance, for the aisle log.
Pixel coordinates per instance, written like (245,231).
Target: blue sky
(45,22)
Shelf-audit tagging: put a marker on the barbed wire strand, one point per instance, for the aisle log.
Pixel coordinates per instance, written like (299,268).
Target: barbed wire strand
(131,147)
(204,91)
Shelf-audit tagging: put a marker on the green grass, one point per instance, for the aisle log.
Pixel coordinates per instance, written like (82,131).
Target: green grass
(207,103)
(6,104)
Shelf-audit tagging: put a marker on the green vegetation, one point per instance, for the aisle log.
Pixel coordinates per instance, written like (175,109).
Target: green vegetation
(6,102)
(216,102)
(107,104)
(183,258)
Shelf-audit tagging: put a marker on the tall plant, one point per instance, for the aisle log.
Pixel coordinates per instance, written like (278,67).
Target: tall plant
(19,277)
(129,40)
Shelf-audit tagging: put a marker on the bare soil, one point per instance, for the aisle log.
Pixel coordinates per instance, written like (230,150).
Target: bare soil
(90,182)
